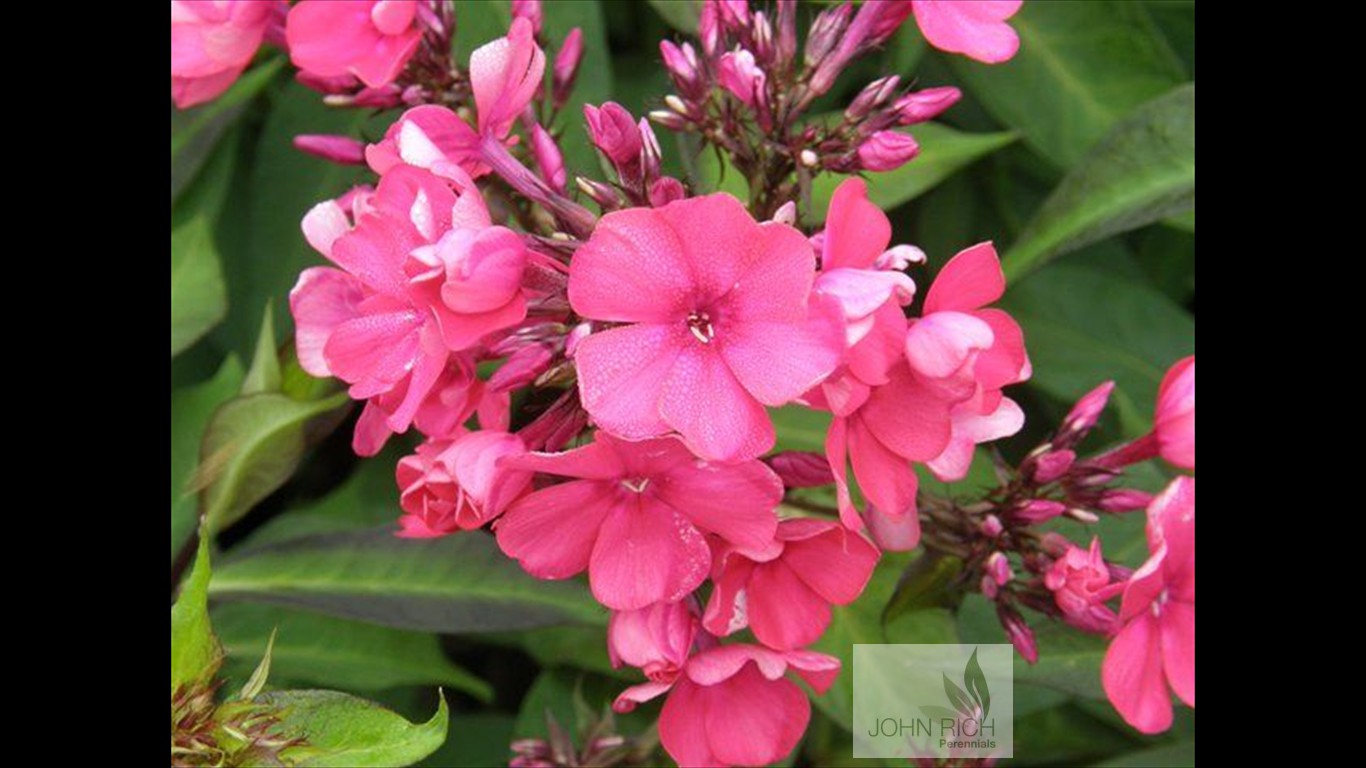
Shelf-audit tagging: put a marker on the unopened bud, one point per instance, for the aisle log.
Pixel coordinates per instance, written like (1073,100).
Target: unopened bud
(1036,511)
(786,213)
(1084,415)
(681,61)
(825,33)
(549,159)
(810,159)
(887,150)
(924,105)
(614,132)
(990,589)
(529,10)
(1082,515)
(665,190)
(998,568)
(1124,500)
(800,469)
(676,104)
(522,368)
(602,194)
(566,68)
(1021,636)
(992,527)
(873,95)
(671,120)
(1052,466)
(342,150)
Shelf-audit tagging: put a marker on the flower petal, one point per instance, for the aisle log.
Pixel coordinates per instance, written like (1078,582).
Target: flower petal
(551,532)
(734,501)
(623,373)
(836,563)
(751,720)
(646,553)
(717,417)
(322,300)
(779,361)
(784,613)
(633,269)
(1178,648)
(908,418)
(856,231)
(971,280)
(1133,679)
(974,28)
(682,726)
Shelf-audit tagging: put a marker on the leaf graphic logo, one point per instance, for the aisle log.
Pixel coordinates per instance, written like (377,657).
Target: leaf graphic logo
(973,700)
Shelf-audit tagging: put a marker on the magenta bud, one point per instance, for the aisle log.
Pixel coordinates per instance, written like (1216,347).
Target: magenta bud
(1021,636)
(650,152)
(342,150)
(566,67)
(602,194)
(1124,500)
(787,31)
(887,150)
(992,527)
(521,368)
(762,32)
(1052,466)
(733,14)
(379,98)
(1037,511)
(800,469)
(873,95)
(549,159)
(614,132)
(681,61)
(665,190)
(739,74)
(990,589)
(825,34)
(879,20)
(529,10)
(1084,415)
(709,29)
(919,106)
(998,568)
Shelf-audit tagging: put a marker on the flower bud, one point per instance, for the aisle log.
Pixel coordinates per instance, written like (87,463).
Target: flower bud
(529,10)
(549,159)
(342,150)
(1021,636)
(998,568)
(1084,415)
(1052,466)
(521,368)
(1124,500)
(992,527)
(801,469)
(886,151)
(614,132)
(566,67)
(665,190)
(1036,511)
(873,95)
(602,194)
(739,74)
(919,106)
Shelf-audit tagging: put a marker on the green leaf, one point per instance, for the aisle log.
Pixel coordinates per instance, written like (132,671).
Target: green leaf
(682,15)
(800,429)
(257,681)
(944,152)
(1069,661)
(365,499)
(957,697)
(264,374)
(348,732)
(1143,171)
(252,446)
(195,132)
(195,653)
(593,84)
(478,22)
(577,647)
(191,409)
(321,650)
(926,583)
(1083,326)
(198,294)
(460,583)
(1081,67)
(975,681)
(1181,753)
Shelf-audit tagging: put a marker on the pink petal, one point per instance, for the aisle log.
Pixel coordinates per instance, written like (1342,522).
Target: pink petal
(372,430)
(721,241)
(595,461)
(856,231)
(505,74)
(323,224)
(974,28)
(939,345)
(682,726)
(873,356)
(836,563)
(725,612)
(751,720)
(375,251)
(971,280)
(717,417)
(424,137)
(734,501)
(1006,362)
(1178,648)
(908,418)
(633,269)
(837,453)
(784,613)
(773,282)
(893,533)
(465,331)
(1171,526)
(861,292)
(1144,586)
(886,479)
(386,58)
(393,17)
(817,669)
(322,300)
(646,553)
(719,664)
(628,699)
(551,532)
(484,272)
(778,362)
(971,429)
(187,92)
(1133,679)
(622,376)
(374,351)
(325,38)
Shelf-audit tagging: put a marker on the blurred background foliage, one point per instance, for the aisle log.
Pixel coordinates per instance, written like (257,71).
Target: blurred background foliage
(1076,158)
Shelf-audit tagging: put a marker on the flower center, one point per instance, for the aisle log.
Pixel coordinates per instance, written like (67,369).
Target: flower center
(636,484)
(699,323)
(1161,601)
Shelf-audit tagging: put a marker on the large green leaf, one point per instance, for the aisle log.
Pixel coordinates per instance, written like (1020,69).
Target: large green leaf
(682,15)
(346,732)
(199,297)
(1141,172)
(1083,326)
(196,131)
(195,653)
(1081,67)
(321,650)
(478,22)
(367,498)
(460,583)
(1182,753)
(191,408)
(593,85)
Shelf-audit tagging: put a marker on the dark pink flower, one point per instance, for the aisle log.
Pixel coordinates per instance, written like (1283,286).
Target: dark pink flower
(738,74)
(1175,421)
(614,132)
(657,639)
(1080,582)
(505,75)
(974,28)
(1154,648)
(459,485)
(212,41)
(369,39)
(635,515)
(734,704)
(718,324)
(783,592)
(887,151)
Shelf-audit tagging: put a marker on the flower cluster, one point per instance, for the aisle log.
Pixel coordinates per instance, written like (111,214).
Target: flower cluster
(594,388)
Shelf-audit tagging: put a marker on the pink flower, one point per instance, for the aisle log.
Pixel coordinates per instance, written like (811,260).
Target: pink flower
(783,592)
(718,324)
(1154,648)
(1175,422)
(657,639)
(974,28)
(887,151)
(505,75)
(212,41)
(1080,582)
(734,705)
(615,133)
(972,426)
(427,137)
(738,74)
(370,39)
(634,517)
(459,485)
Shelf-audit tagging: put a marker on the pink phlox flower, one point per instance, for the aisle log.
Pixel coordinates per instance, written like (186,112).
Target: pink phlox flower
(738,74)
(212,42)
(461,484)
(657,639)
(634,516)
(735,705)
(783,592)
(371,40)
(1154,647)
(975,28)
(718,322)
(1175,422)
(1080,582)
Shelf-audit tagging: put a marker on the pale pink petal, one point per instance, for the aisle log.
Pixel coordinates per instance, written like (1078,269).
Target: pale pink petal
(893,533)
(1178,648)
(971,280)
(908,418)
(717,417)
(505,74)
(784,613)
(633,269)
(751,720)
(424,137)
(682,726)
(719,664)
(1133,679)
(885,478)
(974,28)
(971,429)
(622,376)
(836,563)
(646,553)
(596,461)
(628,699)
(323,224)
(726,612)
(322,300)
(551,532)
(861,292)
(734,501)
(856,231)
(483,271)
(940,345)
(1006,362)
(778,362)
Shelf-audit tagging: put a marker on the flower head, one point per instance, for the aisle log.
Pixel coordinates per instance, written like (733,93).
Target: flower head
(1080,582)
(212,42)
(369,39)
(459,485)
